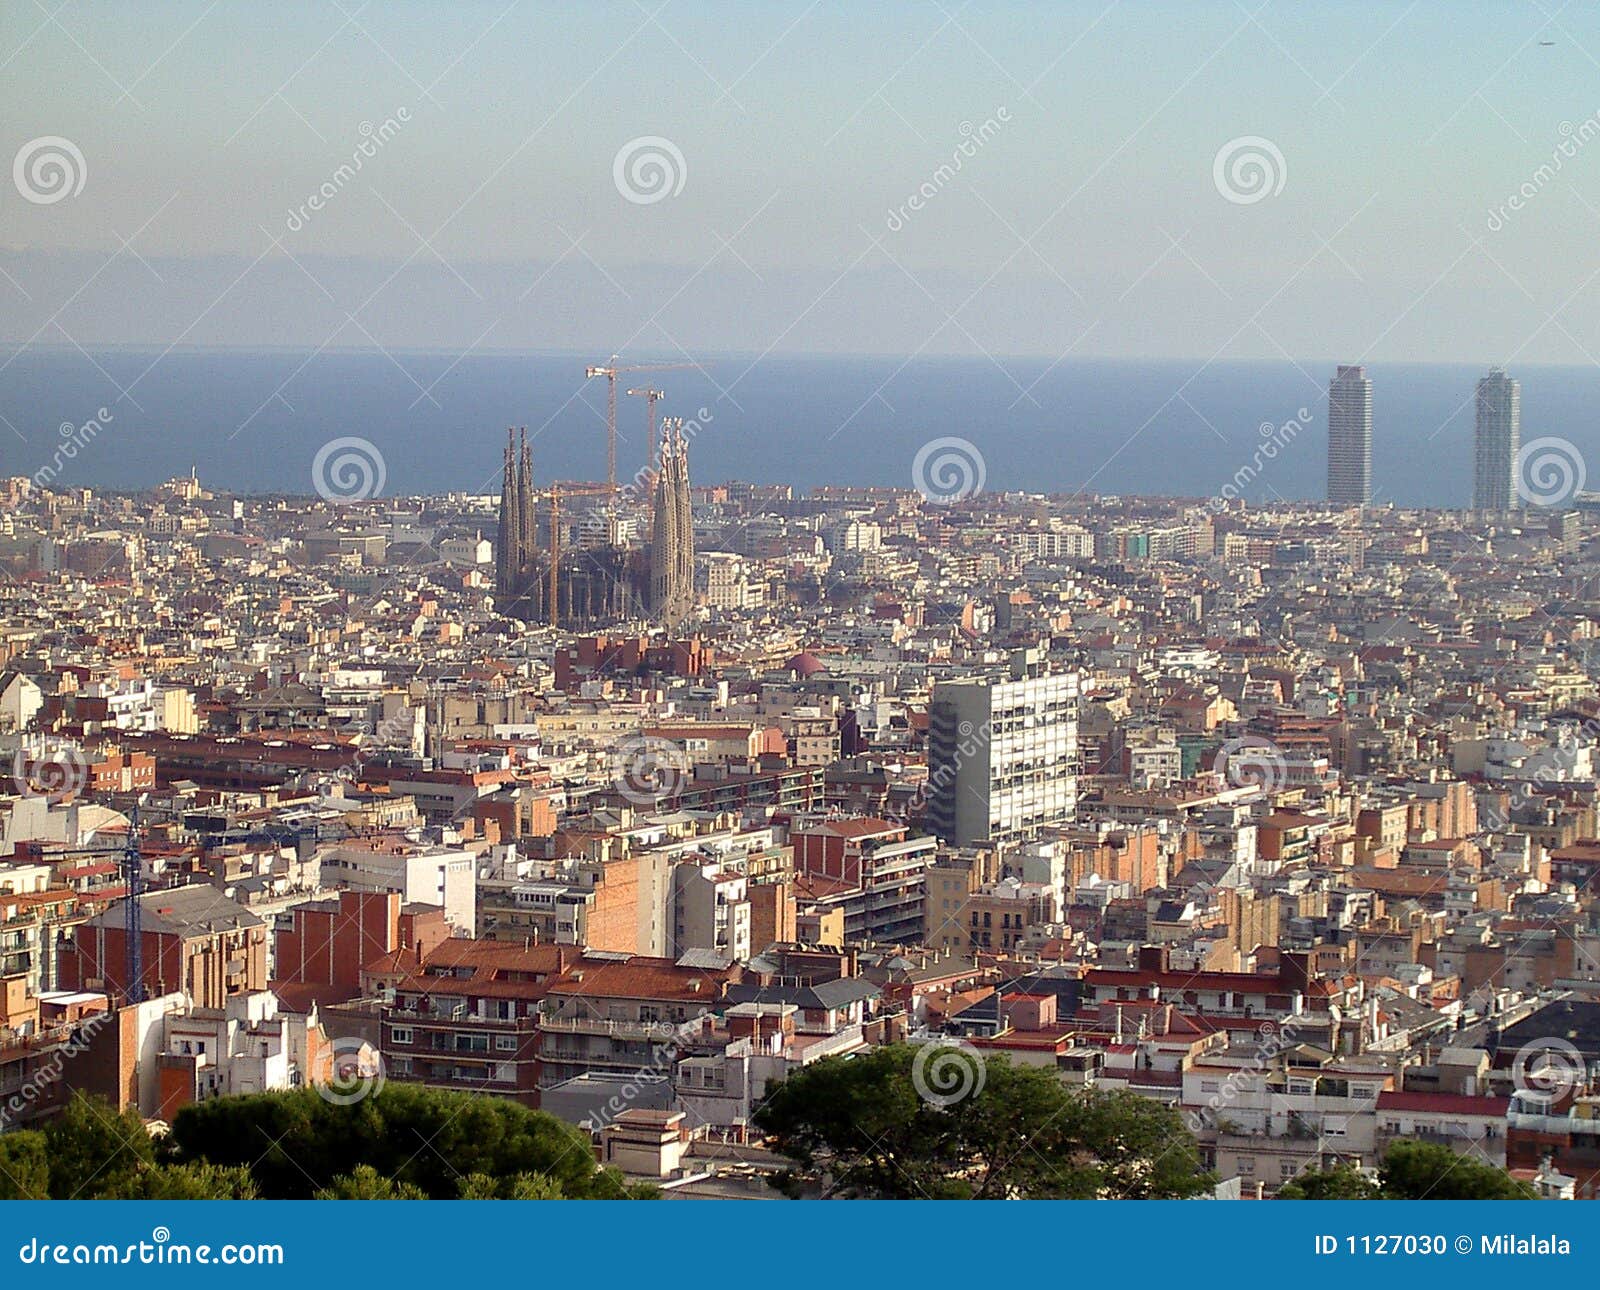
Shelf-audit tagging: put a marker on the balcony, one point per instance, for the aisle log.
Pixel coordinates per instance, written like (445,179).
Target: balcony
(660,1031)
(423,1017)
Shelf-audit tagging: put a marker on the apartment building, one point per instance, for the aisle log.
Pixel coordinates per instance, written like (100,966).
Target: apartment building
(615,1016)
(1003,753)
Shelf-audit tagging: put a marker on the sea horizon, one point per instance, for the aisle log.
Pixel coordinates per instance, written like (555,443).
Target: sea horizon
(255,417)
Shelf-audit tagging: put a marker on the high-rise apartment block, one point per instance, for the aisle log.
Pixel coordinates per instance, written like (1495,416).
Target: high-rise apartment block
(1003,753)
(1350,437)
(1496,440)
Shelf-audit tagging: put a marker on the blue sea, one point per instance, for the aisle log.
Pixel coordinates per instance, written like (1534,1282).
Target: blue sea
(253,421)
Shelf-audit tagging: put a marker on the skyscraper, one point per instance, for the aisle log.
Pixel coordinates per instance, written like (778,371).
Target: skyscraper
(1350,437)
(672,531)
(1497,438)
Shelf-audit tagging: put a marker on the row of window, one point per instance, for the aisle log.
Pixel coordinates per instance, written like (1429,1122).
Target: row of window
(459,1042)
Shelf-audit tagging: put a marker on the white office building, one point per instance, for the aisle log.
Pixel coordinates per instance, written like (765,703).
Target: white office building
(1003,753)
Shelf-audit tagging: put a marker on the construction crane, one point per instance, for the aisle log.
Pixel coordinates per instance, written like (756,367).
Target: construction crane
(611,371)
(130,867)
(133,912)
(650,397)
(557,490)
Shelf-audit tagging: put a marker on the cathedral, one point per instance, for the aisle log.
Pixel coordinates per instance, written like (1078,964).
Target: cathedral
(601,585)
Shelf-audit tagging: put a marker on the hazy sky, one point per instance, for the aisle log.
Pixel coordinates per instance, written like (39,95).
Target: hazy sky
(1088,213)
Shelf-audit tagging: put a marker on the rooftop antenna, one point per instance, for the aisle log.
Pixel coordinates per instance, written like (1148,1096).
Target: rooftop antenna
(132,911)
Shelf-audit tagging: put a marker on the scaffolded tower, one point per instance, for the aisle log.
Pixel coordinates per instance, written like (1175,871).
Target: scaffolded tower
(672,532)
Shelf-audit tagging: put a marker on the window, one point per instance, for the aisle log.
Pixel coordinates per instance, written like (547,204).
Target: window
(400,1035)
(505,1043)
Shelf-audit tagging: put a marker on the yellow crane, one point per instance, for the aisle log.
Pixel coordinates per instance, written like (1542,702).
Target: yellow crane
(611,371)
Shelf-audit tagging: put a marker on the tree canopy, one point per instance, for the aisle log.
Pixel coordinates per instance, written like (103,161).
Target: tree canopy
(878,1125)
(1411,1171)
(298,1145)
(402,1142)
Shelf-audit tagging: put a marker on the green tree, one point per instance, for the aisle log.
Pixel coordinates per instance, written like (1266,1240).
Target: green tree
(1411,1171)
(859,1126)
(24,1166)
(297,1143)
(366,1183)
(519,1187)
(1429,1171)
(1342,1182)
(94,1149)
(184,1182)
